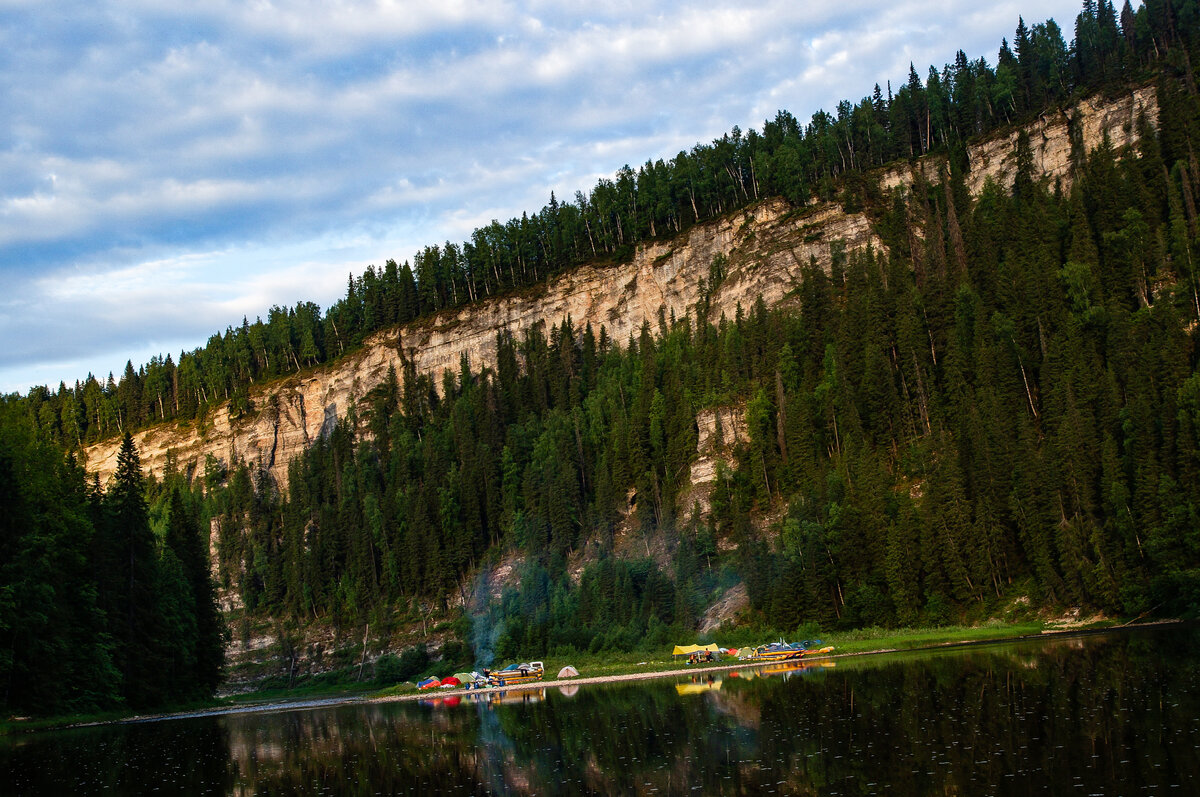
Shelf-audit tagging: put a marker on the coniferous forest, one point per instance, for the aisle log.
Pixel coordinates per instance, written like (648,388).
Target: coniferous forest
(1004,407)
(106,600)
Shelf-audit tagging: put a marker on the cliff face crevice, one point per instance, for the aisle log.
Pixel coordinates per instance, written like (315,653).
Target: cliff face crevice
(766,247)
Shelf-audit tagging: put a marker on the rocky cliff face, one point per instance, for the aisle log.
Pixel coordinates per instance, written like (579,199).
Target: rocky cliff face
(719,430)
(766,247)
(1051,138)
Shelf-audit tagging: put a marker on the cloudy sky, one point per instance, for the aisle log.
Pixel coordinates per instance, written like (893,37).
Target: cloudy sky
(167,168)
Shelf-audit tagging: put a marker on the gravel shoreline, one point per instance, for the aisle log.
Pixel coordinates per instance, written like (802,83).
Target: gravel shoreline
(594,679)
(299,705)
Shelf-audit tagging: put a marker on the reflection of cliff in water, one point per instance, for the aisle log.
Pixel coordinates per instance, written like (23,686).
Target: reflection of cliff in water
(412,750)
(1107,714)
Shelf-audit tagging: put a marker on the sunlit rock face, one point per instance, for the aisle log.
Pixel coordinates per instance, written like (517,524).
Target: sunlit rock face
(765,247)
(1050,143)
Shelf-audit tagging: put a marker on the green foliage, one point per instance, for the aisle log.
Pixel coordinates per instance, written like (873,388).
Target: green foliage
(56,651)
(392,669)
(1004,405)
(1020,413)
(95,612)
(827,158)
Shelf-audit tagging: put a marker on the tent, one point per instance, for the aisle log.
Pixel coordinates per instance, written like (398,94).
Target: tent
(451,681)
(687,650)
(568,672)
(695,689)
(429,683)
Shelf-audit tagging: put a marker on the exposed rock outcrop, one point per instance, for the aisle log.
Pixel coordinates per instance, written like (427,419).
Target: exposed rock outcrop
(732,602)
(719,431)
(766,247)
(1051,138)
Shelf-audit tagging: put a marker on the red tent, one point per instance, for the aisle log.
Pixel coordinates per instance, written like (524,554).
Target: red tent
(451,681)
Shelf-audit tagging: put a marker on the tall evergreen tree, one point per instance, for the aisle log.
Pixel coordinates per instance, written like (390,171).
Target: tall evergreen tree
(55,654)
(129,586)
(187,543)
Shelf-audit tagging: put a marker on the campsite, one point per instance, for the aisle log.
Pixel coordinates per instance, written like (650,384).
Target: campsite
(527,673)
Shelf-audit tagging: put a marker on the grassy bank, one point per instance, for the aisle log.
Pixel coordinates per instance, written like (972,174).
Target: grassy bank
(591,665)
(879,639)
(858,642)
(12,726)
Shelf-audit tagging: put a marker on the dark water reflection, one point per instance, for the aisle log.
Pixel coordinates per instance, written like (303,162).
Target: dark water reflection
(1101,714)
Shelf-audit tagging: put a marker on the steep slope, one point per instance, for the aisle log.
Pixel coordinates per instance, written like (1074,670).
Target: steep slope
(765,246)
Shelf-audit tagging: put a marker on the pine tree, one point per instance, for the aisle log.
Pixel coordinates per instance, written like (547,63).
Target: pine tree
(55,654)
(188,544)
(134,614)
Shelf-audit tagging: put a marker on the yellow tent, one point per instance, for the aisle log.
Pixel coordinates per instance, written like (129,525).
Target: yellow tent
(687,650)
(695,689)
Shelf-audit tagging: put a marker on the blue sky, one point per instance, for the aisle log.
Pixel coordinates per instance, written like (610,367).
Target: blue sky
(167,168)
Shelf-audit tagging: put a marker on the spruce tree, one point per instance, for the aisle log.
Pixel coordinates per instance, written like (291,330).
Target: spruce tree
(55,656)
(189,545)
(135,618)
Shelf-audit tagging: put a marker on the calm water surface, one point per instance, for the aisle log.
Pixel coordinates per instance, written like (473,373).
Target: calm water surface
(1099,714)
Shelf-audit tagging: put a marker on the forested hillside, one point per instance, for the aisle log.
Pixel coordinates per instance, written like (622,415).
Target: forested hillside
(1001,409)
(105,600)
(1009,410)
(935,112)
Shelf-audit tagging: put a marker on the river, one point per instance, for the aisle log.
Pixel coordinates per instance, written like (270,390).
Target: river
(1111,713)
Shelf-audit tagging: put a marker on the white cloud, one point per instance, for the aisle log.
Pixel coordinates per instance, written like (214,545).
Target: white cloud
(180,166)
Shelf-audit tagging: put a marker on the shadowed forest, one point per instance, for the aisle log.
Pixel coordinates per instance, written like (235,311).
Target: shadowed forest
(1003,408)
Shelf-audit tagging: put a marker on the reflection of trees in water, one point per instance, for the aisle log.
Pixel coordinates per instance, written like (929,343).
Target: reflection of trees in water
(358,748)
(1111,714)
(1076,713)
(179,757)
(623,739)
(987,722)
(495,749)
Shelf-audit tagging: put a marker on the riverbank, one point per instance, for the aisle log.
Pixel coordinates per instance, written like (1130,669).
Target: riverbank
(595,669)
(599,669)
(984,717)
(630,666)
(923,640)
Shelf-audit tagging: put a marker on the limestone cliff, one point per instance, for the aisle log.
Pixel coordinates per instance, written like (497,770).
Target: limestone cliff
(719,430)
(1051,138)
(766,246)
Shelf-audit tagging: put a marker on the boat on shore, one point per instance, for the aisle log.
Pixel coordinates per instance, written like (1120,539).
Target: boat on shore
(783,651)
(515,674)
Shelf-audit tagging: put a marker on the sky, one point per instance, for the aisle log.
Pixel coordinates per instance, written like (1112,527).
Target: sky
(167,168)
